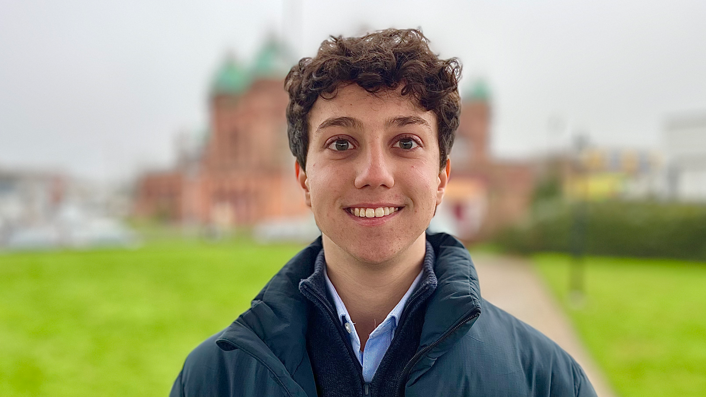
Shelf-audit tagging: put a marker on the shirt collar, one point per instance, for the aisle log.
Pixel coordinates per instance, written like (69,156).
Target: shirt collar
(396,312)
(317,284)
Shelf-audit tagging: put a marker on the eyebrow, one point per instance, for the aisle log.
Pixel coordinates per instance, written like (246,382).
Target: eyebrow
(347,122)
(401,121)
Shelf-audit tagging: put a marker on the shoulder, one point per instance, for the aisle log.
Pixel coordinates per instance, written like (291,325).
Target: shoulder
(237,361)
(502,352)
(500,330)
(206,356)
(211,371)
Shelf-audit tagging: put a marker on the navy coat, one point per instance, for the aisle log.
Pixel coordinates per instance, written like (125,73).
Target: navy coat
(468,347)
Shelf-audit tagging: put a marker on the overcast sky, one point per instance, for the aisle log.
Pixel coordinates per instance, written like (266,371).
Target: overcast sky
(101,88)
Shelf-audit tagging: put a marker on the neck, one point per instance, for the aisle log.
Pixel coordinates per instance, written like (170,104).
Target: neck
(371,290)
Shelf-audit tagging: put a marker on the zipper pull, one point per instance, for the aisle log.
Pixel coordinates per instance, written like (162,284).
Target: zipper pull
(366,388)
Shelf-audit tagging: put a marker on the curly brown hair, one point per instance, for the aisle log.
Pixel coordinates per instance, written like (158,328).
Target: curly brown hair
(377,61)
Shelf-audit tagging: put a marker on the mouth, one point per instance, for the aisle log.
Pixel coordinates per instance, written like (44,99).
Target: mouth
(367,212)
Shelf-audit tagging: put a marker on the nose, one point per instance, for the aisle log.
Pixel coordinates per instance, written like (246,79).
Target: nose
(374,170)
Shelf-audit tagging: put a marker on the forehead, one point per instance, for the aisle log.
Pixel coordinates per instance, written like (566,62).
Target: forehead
(368,108)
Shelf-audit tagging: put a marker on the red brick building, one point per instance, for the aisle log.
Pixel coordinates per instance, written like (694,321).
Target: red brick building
(483,194)
(241,173)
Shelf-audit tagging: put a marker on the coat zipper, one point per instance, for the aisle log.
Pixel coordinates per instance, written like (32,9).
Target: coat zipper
(408,368)
(320,301)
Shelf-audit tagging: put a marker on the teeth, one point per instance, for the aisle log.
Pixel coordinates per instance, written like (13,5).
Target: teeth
(373,212)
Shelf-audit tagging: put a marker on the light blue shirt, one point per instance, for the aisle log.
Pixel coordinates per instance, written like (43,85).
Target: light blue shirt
(381,337)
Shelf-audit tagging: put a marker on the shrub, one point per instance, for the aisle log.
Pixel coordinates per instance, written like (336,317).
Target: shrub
(613,228)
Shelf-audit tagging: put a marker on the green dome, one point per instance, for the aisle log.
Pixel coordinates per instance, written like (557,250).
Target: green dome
(231,79)
(477,92)
(273,60)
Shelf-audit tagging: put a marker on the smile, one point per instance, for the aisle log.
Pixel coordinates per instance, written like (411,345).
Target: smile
(378,212)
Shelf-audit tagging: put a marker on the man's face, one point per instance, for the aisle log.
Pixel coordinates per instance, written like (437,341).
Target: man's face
(378,154)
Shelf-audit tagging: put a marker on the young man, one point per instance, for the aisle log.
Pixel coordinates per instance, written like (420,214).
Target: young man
(376,306)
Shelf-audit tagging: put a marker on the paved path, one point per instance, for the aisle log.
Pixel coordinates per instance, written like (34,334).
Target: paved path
(513,285)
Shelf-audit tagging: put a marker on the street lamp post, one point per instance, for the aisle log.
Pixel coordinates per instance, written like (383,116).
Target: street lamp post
(577,288)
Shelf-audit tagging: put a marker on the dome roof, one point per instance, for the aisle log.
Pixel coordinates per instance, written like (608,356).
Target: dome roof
(230,79)
(273,59)
(478,91)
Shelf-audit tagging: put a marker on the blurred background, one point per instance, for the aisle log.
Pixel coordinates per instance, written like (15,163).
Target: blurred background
(143,150)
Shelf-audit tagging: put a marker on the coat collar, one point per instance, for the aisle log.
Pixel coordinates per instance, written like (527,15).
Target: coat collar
(453,308)
(315,287)
(278,314)
(457,294)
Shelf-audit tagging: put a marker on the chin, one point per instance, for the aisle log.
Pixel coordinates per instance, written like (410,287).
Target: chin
(374,246)
(380,250)
(374,256)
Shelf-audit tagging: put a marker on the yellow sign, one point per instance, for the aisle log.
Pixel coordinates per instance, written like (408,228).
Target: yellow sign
(595,186)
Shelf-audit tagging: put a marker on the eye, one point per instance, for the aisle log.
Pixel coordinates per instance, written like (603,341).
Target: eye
(406,144)
(340,145)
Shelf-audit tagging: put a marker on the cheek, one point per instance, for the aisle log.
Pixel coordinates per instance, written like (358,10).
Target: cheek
(324,185)
(423,183)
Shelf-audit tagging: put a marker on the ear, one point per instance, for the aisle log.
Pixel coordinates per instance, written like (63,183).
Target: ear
(303,182)
(443,181)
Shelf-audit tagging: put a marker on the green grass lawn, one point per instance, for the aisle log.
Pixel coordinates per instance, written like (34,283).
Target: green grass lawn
(120,322)
(643,320)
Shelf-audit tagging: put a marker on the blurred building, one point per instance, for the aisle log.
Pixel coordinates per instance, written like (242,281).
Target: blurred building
(484,194)
(29,198)
(44,209)
(598,173)
(685,149)
(240,172)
